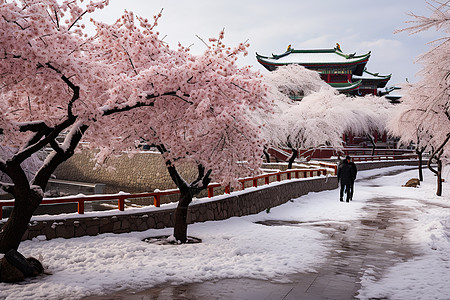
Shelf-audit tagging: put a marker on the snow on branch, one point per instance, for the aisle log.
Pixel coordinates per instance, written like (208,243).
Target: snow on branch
(423,115)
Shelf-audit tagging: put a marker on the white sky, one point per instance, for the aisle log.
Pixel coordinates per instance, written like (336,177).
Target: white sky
(240,248)
(270,26)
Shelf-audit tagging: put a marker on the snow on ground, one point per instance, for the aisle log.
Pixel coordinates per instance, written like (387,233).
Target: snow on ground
(426,276)
(238,247)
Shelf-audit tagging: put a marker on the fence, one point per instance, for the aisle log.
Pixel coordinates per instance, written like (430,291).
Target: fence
(384,157)
(353,151)
(288,174)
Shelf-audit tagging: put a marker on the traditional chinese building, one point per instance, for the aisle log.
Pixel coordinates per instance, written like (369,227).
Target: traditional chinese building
(370,83)
(345,72)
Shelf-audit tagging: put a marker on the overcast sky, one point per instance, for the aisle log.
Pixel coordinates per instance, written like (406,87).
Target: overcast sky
(270,26)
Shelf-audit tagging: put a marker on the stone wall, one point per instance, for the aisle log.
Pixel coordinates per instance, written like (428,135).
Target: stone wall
(142,172)
(236,204)
(362,166)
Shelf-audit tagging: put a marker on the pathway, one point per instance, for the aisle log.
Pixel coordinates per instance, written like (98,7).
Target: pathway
(368,245)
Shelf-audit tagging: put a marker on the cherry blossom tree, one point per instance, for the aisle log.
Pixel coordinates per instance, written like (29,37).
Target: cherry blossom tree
(109,88)
(410,132)
(322,116)
(206,123)
(424,114)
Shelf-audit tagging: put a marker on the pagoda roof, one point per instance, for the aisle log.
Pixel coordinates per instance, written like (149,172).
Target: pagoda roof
(368,76)
(316,59)
(391,93)
(344,87)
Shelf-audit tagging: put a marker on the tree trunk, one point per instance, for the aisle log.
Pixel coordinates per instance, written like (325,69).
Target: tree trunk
(439,178)
(292,158)
(372,141)
(436,154)
(180,226)
(419,154)
(187,191)
(28,199)
(17,224)
(266,155)
(437,172)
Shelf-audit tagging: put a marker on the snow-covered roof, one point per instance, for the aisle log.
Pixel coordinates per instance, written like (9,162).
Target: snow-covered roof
(371,76)
(392,93)
(315,58)
(344,87)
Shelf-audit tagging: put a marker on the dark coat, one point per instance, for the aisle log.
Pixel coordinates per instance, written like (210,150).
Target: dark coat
(354,170)
(346,173)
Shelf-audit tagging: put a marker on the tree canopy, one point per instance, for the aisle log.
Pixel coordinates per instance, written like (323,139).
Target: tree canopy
(424,112)
(111,88)
(323,115)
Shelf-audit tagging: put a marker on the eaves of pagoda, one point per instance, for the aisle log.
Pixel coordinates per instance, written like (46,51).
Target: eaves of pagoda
(373,79)
(321,60)
(346,87)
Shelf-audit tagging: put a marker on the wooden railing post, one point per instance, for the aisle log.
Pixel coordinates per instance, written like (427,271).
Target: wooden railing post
(81,206)
(121,203)
(157,200)
(255,182)
(288,175)
(278,177)
(227,189)
(243,185)
(210,191)
(296,174)
(266,180)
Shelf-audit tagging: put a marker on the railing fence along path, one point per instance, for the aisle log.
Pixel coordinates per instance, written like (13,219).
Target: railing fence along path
(384,157)
(288,174)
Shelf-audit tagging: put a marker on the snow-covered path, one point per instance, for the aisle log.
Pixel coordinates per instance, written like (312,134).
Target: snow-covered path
(362,247)
(380,245)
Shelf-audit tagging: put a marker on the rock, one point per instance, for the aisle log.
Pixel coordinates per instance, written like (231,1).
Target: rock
(413,182)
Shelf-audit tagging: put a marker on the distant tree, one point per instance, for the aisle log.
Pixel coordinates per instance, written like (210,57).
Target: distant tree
(426,103)
(410,132)
(322,116)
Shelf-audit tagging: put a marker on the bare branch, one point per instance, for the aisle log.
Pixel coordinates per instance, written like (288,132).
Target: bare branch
(207,46)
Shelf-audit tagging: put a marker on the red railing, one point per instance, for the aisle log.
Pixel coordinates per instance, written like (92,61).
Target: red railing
(289,174)
(384,157)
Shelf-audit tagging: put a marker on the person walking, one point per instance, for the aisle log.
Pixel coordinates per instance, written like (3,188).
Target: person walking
(346,178)
(354,172)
